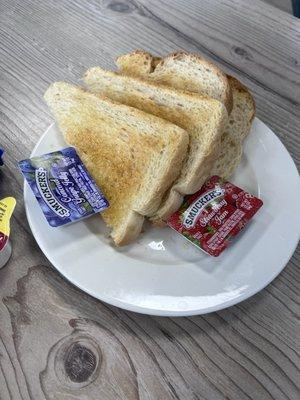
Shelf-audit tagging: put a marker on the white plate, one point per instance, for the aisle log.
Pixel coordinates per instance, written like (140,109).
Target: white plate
(162,274)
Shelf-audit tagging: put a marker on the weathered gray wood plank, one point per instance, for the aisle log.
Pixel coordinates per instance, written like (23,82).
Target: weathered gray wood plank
(284,5)
(53,338)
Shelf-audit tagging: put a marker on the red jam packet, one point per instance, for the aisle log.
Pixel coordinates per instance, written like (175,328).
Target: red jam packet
(214,215)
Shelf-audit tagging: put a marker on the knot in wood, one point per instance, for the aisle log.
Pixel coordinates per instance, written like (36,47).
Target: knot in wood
(80,362)
(119,7)
(242,53)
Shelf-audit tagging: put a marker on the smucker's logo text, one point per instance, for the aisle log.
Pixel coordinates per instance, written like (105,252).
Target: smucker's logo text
(192,213)
(46,193)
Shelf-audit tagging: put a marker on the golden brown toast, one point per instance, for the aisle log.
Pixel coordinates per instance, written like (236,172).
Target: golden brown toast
(133,156)
(203,118)
(181,72)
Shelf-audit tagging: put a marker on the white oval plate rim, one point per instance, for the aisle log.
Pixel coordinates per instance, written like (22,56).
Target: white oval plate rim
(152,311)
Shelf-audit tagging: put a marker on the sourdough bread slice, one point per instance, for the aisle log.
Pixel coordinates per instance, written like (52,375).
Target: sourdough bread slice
(240,118)
(181,70)
(134,157)
(203,118)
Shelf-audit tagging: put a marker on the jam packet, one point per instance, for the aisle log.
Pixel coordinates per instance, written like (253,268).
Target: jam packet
(1,155)
(214,215)
(63,187)
(7,206)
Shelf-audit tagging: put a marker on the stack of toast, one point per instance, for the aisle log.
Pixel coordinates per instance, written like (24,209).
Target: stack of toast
(153,132)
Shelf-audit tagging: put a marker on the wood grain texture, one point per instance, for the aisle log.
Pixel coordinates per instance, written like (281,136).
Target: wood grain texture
(284,5)
(58,343)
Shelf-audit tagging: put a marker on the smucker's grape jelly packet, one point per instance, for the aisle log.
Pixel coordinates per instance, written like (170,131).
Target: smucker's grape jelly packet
(63,187)
(214,215)
(1,155)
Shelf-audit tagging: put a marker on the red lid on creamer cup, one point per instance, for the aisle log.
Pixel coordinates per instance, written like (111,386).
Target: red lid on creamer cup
(214,215)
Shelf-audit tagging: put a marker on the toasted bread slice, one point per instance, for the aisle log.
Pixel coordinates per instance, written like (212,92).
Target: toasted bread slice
(181,70)
(142,64)
(203,118)
(139,62)
(238,127)
(243,111)
(134,157)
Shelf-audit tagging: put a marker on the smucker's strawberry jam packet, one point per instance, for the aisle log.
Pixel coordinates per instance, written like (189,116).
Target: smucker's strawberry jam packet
(63,187)
(214,215)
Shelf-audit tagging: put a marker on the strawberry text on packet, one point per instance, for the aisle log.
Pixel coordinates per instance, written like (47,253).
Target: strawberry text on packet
(214,215)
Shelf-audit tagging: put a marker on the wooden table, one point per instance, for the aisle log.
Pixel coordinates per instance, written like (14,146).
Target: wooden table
(55,341)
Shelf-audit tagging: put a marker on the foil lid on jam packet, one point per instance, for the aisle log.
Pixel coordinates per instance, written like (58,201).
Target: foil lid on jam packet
(63,187)
(214,215)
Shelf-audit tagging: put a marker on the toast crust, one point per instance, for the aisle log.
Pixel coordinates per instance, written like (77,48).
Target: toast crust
(241,103)
(226,97)
(142,63)
(243,90)
(238,127)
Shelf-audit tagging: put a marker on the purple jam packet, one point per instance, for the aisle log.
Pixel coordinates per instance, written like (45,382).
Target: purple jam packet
(63,187)
(1,155)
